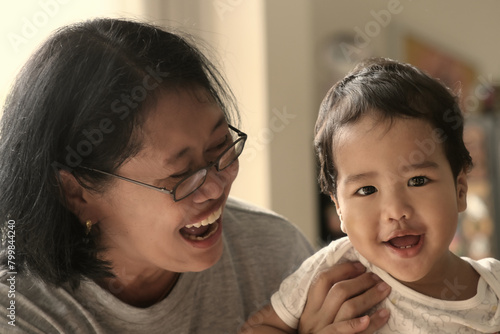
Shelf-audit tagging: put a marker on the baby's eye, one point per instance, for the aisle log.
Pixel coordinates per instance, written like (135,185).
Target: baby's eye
(368,190)
(418,181)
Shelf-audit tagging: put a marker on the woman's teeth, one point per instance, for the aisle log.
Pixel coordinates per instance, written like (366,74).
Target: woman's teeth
(207,221)
(204,236)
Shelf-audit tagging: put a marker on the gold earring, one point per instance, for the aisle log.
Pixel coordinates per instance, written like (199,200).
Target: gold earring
(88,224)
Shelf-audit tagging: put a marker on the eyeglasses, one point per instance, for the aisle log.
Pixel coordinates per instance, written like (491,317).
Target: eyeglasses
(196,179)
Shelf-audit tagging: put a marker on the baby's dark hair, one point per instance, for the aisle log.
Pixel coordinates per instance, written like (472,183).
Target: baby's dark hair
(391,90)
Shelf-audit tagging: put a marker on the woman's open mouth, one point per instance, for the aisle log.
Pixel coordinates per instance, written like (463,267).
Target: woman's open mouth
(204,229)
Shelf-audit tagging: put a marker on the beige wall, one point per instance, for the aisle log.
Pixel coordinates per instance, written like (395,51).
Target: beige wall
(266,51)
(463,28)
(25,24)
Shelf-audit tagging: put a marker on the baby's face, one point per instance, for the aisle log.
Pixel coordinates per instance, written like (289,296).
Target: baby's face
(397,196)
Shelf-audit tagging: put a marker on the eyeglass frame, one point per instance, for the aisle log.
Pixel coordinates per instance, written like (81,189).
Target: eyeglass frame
(241,137)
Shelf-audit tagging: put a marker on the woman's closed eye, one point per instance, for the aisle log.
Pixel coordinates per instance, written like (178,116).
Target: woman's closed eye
(418,181)
(217,149)
(222,144)
(172,180)
(366,190)
(179,176)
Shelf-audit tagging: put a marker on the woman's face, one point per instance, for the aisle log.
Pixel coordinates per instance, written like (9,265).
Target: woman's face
(145,228)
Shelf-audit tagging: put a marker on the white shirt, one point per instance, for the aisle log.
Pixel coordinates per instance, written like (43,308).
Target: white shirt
(411,311)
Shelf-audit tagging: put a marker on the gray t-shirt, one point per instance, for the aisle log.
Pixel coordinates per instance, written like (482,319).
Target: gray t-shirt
(260,250)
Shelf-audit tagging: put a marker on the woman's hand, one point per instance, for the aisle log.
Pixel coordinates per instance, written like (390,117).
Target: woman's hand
(339,297)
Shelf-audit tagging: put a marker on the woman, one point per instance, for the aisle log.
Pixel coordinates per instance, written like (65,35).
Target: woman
(119,145)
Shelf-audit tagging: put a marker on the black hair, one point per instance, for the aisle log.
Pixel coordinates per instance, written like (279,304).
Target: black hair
(79,102)
(390,89)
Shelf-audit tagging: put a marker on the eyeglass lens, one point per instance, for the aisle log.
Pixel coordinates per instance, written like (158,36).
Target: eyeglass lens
(189,185)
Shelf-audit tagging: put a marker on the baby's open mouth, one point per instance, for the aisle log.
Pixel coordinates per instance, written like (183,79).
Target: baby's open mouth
(204,229)
(404,242)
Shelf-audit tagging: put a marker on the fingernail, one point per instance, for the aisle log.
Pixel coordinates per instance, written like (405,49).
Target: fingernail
(383,313)
(364,319)
(382,286)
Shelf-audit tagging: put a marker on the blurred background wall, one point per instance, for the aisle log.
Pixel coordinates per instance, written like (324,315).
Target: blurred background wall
(281,56)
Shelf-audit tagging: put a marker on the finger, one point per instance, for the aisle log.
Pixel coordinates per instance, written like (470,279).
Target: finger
(377,321)
(323,282)
(351,326)
(363,302)
(340,294)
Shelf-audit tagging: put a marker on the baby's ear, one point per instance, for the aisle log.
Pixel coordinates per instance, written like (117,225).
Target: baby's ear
(334,200)
(462,188)
(339,212)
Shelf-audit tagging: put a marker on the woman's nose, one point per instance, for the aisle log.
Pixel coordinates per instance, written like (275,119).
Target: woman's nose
(216,183)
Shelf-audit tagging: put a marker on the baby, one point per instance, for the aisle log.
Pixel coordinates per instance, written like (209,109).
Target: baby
(389,139)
